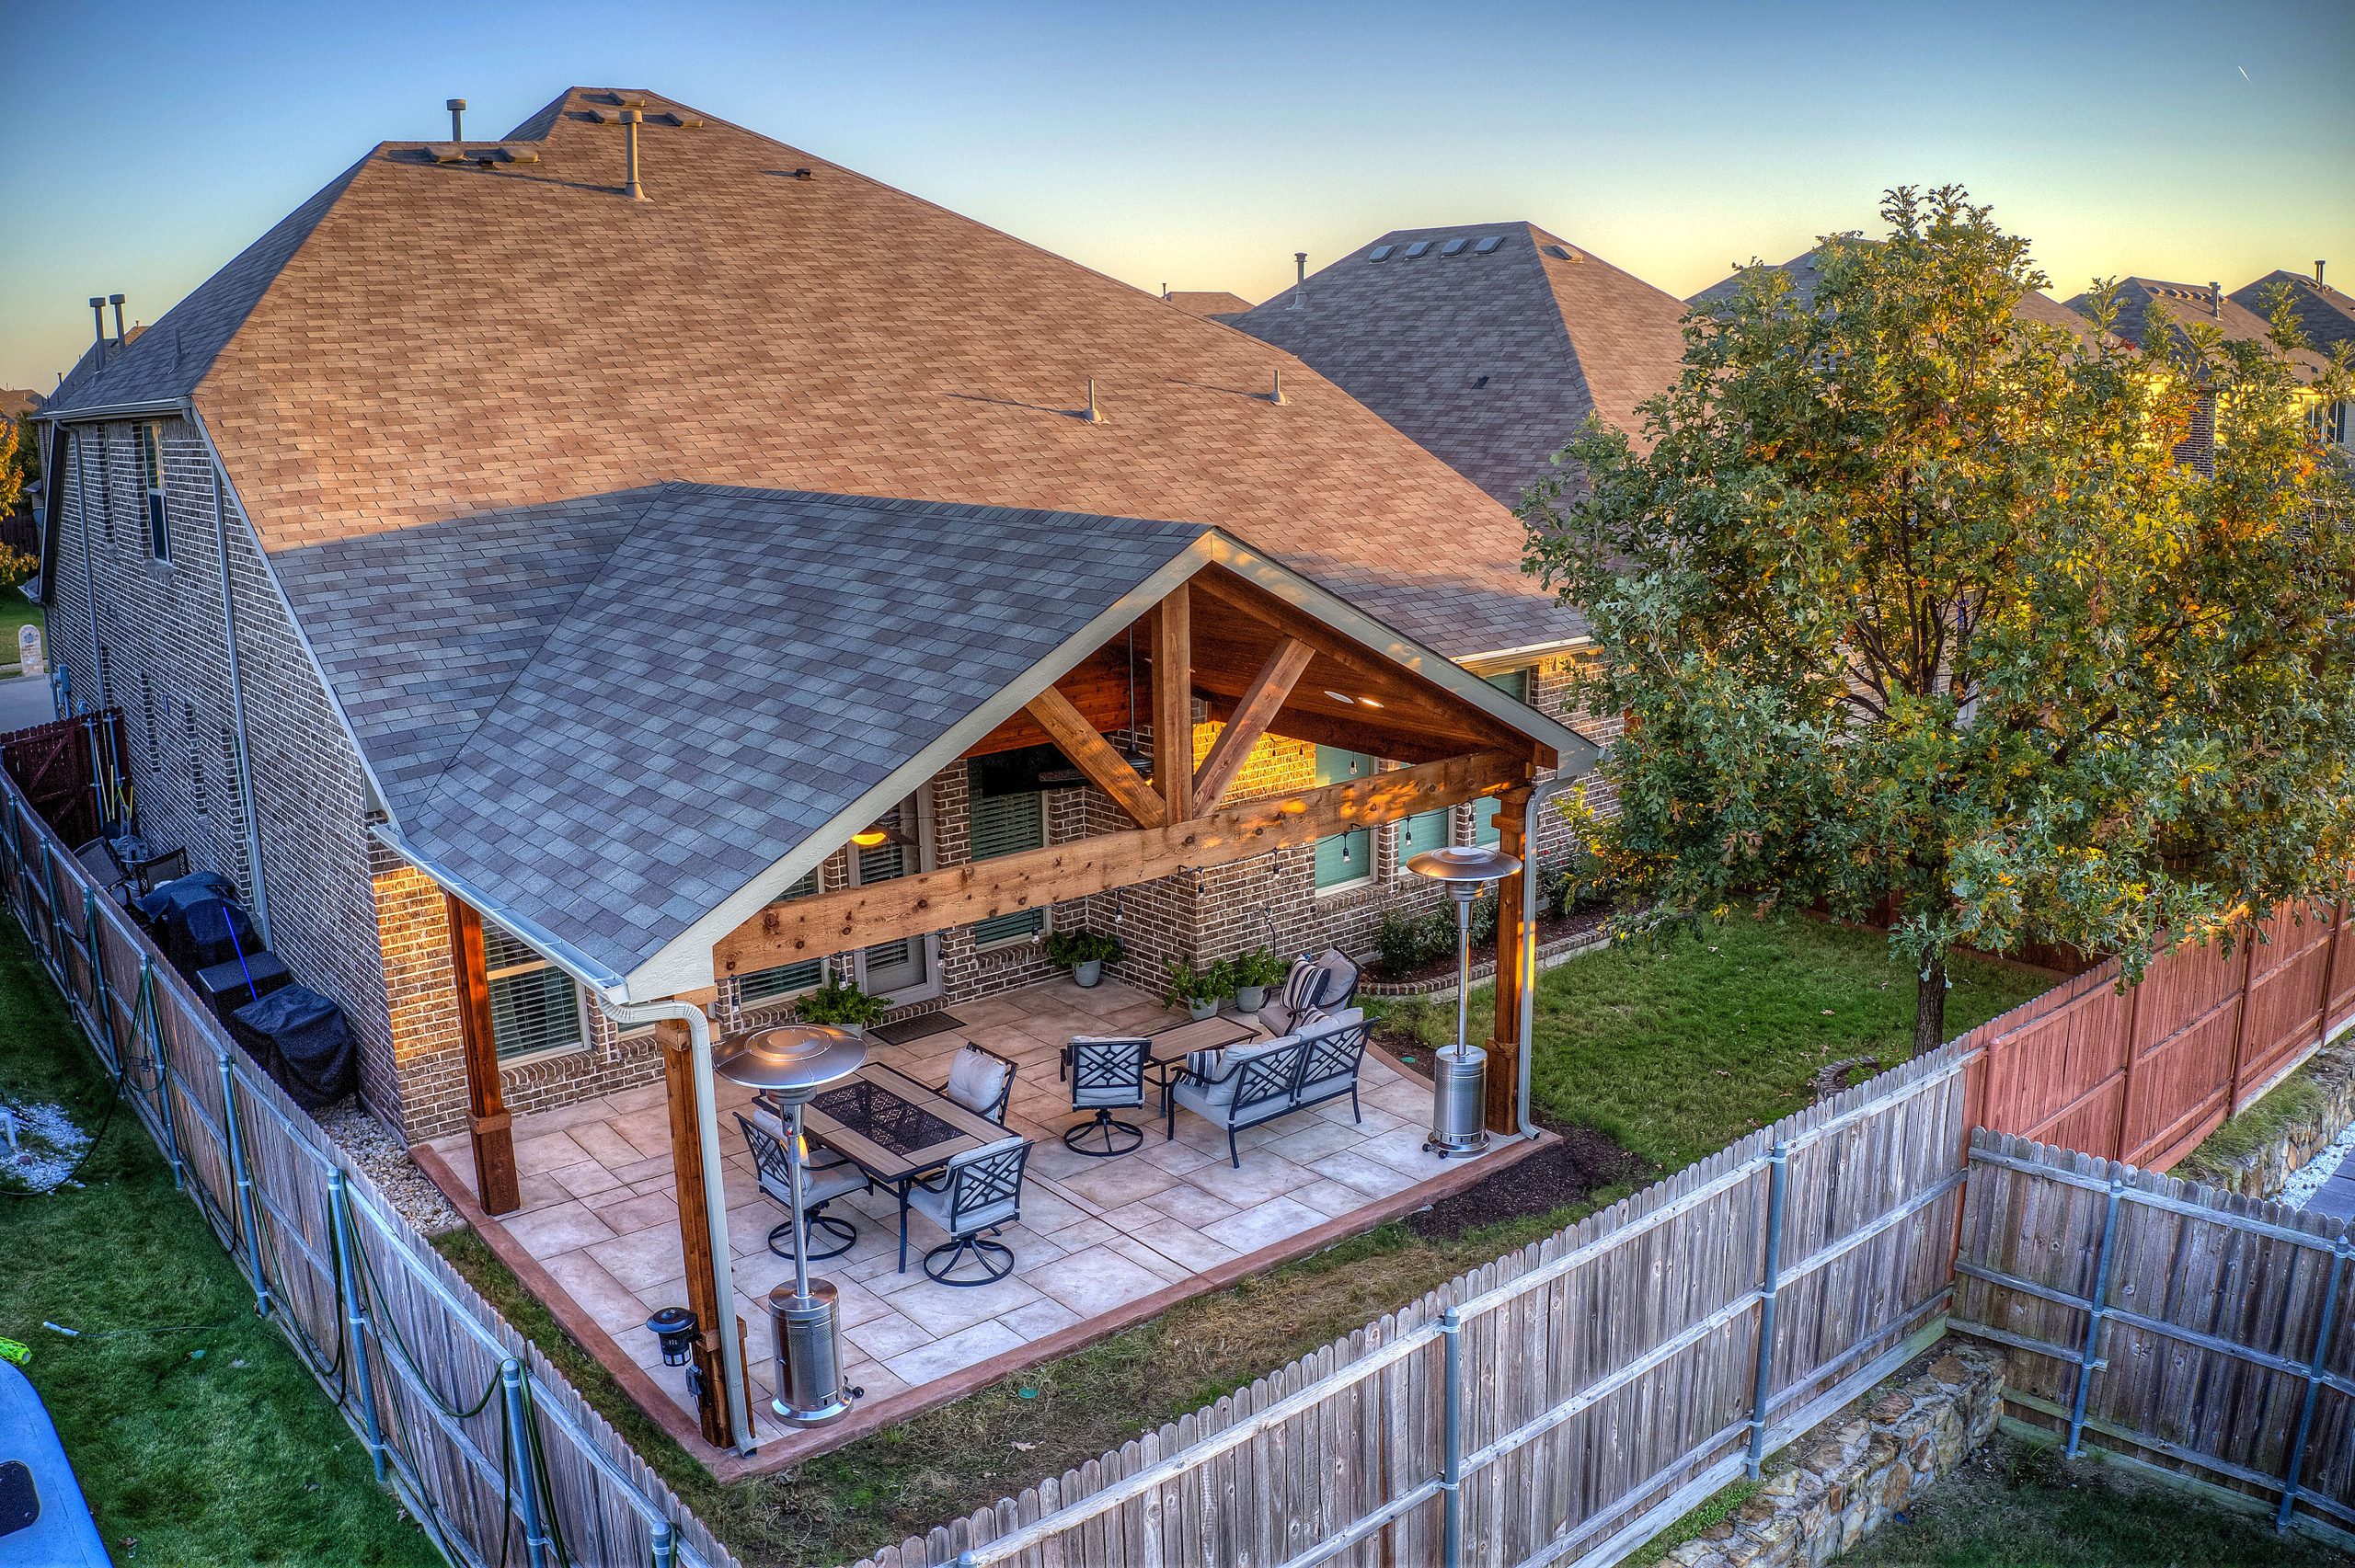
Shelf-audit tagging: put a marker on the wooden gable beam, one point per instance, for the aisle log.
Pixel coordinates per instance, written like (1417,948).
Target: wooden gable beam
(1105,768)
(1032,879)
(1173,704)
(1258,706)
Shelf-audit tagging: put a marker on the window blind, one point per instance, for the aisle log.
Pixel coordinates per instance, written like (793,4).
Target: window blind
(535,1006)
(788,979)
(1002,824)
(1425,831)
(1344,857)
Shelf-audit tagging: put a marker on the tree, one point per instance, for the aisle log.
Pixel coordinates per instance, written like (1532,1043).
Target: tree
(1913,613)
(17,463)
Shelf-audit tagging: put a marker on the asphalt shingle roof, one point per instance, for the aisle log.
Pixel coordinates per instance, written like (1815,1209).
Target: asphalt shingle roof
(1805,271)
(1492,361)
(649,698)
(423,344)
(2327,313)
(2150,310)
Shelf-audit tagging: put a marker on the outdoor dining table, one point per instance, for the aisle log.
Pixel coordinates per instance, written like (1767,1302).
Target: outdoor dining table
(895,1129)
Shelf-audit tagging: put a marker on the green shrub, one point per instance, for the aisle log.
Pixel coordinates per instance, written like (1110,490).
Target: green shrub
(1189,986)
(840,1001)
(1260,968)
(1085,947)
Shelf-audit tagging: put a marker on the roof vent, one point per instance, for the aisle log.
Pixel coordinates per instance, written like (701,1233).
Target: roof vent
(1563,253)
(1417,250)
(1380,253)
(452,153)
(1455,246)
(1487,246)
(456,107)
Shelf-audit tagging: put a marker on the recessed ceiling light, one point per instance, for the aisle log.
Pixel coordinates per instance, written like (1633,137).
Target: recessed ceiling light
(1368,701)
(1342,697)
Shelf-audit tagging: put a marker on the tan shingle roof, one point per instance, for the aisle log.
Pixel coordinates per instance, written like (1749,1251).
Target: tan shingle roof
(423,342)
(1215,303)
(1806,271)
(1492,361)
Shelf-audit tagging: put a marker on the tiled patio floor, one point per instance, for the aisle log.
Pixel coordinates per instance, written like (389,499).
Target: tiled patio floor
(599,1215)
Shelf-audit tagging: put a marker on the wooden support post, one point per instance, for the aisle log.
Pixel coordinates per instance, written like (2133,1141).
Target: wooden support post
(488,1126)
(1513,967)
(1252,715)
(1173,705)
(694,1232)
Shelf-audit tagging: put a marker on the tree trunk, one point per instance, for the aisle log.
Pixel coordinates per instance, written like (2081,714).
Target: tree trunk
(1930,1007)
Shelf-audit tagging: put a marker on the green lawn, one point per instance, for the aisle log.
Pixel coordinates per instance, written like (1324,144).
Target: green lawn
(206,1445)
(15,612)
(1680,1051)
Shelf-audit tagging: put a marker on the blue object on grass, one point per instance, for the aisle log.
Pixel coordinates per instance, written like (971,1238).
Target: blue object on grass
(45,1523)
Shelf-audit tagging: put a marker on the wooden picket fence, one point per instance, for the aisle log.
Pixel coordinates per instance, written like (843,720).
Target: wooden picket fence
(481,1437)
(2198,1330)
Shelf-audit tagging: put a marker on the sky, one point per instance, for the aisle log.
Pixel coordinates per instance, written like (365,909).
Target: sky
(1199,146)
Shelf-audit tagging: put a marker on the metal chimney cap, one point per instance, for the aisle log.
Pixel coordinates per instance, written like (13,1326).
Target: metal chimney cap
(1464,863)
(456,103)
(97,302)
(791,1056)
(114,299)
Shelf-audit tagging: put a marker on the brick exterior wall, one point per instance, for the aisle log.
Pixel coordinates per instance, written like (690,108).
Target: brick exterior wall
(354,922)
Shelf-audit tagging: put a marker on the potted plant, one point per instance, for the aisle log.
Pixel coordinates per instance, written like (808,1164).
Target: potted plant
(1254,973)
(839,1001)
(1197,990)
(1087,952)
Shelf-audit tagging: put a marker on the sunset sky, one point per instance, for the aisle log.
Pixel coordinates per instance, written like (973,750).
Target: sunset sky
(1199,146)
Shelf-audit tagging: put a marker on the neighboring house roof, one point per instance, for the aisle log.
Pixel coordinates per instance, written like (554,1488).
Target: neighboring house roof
(1492,361)
(16,400)
(2327,313)
(1805,271)
(2149,310)
(420,343)
(1216,304)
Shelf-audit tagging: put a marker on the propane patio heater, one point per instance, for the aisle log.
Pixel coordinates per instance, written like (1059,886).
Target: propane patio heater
(793,1062)
(1460,1071)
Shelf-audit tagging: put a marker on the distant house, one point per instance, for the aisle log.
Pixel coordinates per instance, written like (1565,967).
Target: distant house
(2325,315)
(1215,304)
(1490,343)
(1806,271)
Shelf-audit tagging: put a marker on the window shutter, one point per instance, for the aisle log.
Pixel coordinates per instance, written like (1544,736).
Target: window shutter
(1004,824)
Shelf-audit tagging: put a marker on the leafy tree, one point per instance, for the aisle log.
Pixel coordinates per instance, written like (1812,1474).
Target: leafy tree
(1912,611)
(18,464)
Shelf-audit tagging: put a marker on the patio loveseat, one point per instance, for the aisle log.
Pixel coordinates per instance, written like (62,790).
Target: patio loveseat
(1265,1080)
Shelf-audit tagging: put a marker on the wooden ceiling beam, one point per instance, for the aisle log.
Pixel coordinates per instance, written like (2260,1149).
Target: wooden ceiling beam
(825,923)
(1094,755)
(1269,688)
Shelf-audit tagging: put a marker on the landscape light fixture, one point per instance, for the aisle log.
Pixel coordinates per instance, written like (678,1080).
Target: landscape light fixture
(793,1061)
(1460,1071)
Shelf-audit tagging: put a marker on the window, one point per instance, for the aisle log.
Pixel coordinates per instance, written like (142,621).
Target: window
(1418,835)
(1513,683)
(1345,857)
(1417,250)
(787,979)
(151,473)
(535,1006)
(1001,825)
(1488,246)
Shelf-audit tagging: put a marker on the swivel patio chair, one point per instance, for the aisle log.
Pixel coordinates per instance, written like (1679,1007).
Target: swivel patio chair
(1107,1075)
(982,1082)
(822,1182)
(978,1193)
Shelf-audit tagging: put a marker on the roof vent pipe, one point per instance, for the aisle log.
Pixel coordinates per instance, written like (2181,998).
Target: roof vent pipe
(631,119)
(1278,396)
(1094,415)
(1300,289)
(2317,274)
(116,300)
(456,107)
(99,320)
(2216,300)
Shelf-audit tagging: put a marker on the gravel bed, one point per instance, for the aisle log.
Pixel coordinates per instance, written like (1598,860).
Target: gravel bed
(2308,1178)
(374,1149)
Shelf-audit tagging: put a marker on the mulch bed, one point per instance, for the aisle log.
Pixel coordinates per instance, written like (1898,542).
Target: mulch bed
(1550,929)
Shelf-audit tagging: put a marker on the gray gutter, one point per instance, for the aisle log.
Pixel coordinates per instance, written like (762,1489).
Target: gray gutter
(112,411)
(555,949)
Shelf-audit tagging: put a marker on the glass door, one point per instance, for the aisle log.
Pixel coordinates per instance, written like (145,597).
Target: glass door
(893,968)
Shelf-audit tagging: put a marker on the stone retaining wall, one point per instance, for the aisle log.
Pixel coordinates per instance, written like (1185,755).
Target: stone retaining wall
(1855,1471)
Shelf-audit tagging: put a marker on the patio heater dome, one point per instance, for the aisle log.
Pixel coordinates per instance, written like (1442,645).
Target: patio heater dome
(1460,1071)
(793,1061)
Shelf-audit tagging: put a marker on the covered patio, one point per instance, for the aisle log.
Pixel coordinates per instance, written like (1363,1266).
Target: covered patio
(1101,1243)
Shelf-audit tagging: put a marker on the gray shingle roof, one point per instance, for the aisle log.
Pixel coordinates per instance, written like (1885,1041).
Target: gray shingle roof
(2327,313)
(1805,271)
(617,713)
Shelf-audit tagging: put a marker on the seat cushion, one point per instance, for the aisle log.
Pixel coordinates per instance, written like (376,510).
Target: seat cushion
(1230,1068)
(976,1079)
(1214,1104)
(821,1183)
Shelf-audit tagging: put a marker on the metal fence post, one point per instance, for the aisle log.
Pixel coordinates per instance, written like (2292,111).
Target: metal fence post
(1778,1164)
(1451,1475)
(355,1316)
(2093,1319)
(102,1002)
(244,1186)
(2339,1251)
(527,1488)
(666,1544)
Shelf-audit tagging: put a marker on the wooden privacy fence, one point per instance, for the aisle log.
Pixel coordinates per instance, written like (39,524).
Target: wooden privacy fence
(2142,1077)
(2198,1330)
(1573,1396)
(482,1438)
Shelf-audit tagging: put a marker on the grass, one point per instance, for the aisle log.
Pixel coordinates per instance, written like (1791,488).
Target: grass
(902,1481)
(1677,1052)
(204,1444)
(18,612)
(2018,1504)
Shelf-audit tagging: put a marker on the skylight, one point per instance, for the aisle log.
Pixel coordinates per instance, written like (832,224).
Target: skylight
(1487,246)
(1380,253)
(1420,248)
(1455,246)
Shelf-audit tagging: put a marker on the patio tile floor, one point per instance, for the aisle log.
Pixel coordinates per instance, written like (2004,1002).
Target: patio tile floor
(600,1214)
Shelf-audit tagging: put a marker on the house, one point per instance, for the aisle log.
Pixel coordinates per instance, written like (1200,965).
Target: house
(490,549)
(2325,315)
(1489,344)
(1806,271)
(1213,304)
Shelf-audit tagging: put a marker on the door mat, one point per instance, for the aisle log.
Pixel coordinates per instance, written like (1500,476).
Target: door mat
(916,1028)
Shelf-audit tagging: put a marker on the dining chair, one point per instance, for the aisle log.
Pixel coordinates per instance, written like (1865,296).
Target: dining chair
(977,1192)
(821,1184)
(1107,1075)
(981,1080)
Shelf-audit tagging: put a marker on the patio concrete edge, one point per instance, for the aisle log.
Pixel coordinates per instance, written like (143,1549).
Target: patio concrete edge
(642,1389)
